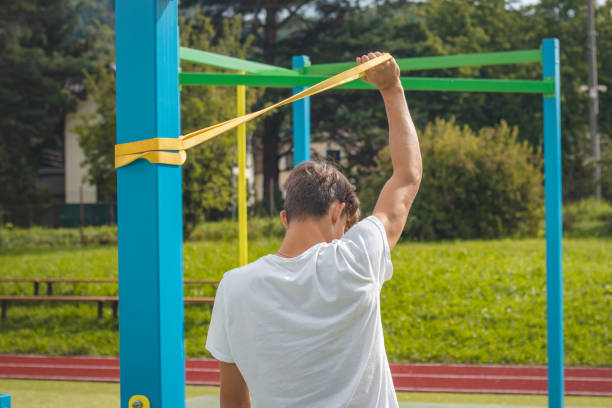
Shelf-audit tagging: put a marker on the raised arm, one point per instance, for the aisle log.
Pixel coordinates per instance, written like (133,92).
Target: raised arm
(399,191)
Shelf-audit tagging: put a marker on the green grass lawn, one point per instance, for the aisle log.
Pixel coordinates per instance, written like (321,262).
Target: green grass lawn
(459,302)
(66,394)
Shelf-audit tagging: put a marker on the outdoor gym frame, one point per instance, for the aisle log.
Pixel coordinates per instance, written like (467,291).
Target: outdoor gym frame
(151,318)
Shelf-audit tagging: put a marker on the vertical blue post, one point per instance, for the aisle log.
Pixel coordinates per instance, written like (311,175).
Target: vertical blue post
(5,401)
(554,232)
(301,117)
(152,356)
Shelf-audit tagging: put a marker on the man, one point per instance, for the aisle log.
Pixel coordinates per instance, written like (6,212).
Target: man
(302,328)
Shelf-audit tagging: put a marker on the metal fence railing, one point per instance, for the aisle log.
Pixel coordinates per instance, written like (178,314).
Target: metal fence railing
(59,215)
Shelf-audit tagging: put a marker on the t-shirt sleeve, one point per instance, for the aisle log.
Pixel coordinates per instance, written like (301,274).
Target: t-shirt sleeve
(368,242)
(217,340)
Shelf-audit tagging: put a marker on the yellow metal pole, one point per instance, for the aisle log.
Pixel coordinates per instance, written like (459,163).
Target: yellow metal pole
(242,204)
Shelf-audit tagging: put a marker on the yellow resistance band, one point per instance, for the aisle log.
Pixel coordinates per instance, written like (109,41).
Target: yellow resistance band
(172,150)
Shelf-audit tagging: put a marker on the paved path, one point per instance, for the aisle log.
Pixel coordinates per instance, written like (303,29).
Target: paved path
(407,377)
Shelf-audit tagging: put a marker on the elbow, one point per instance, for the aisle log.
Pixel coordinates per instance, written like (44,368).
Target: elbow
(417,174)
(412,175)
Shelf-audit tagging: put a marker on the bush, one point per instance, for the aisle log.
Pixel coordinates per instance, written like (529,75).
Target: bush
(39,237)
(587,218)
(227,230)
(474,186)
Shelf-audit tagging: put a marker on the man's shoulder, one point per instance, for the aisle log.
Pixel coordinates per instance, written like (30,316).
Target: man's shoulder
(369,226)
(242,273)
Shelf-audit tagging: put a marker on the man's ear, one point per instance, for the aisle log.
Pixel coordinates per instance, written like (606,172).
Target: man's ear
(336,211)
(283,215)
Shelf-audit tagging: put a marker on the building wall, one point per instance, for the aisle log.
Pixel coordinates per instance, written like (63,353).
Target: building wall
(328,150)
(73,157)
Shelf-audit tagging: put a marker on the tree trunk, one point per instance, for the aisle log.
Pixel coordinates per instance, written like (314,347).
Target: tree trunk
(270,130)
(270,136)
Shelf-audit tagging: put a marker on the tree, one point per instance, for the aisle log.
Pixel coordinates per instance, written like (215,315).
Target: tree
(42,57)
(439,27)
(208,186)
(272,23)
(208,189)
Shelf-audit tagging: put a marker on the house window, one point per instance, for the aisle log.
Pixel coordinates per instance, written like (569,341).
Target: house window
(333,155)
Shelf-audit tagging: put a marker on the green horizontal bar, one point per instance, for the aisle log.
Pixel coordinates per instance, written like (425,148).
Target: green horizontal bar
(479,85)
(445,61)
(410,84)
(231,63)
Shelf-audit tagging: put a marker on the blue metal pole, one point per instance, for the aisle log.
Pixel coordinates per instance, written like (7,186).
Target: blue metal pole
(152,356)
(554,232)
(5,401)
(301,117)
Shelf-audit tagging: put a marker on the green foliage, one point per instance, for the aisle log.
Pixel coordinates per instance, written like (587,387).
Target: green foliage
(208,182)
(38,237)
(227,230)
(97,130)
(41,58)
(587,218)
(441,27)
(460,302)
(486,185)
(208,189)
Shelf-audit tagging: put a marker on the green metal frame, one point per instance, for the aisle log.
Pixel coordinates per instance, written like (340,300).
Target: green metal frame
(410,84)
(547,57)
(445,61)
(264,75)
(231,63)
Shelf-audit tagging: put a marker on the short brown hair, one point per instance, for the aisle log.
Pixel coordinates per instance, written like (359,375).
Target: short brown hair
(313,186)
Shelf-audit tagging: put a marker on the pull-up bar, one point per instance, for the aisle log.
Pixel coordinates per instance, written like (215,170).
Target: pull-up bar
(409,84)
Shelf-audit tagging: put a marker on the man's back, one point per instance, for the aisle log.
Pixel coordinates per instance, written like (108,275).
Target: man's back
(303,329)
(306,331)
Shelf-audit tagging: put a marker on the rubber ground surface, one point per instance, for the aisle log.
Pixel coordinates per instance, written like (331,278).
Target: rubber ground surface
(407,377)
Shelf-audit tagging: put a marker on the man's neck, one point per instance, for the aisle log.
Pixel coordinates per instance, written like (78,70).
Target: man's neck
(302,235)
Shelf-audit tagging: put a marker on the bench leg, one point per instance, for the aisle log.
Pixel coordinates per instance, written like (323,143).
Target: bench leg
(35,288)
(49,289)
(115,308)
(100,311)
(4,306)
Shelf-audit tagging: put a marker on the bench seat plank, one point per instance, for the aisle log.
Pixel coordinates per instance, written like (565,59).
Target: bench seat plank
(4,299)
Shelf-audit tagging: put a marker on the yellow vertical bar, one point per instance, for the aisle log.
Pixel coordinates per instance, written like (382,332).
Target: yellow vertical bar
(242,204)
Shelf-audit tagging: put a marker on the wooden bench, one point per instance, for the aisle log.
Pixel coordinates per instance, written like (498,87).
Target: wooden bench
(114,300)
(50,281)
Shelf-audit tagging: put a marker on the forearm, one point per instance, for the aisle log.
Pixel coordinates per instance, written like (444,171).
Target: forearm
(403,141)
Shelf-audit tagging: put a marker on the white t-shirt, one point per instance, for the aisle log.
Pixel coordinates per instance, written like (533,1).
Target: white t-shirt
(306,331)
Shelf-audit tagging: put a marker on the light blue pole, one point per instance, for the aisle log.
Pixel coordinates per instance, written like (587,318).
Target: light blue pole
(301,117)
(152,356)
(5,401)
(554,231)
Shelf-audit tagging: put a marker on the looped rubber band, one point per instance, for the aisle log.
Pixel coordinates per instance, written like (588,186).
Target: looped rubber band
(172,151)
